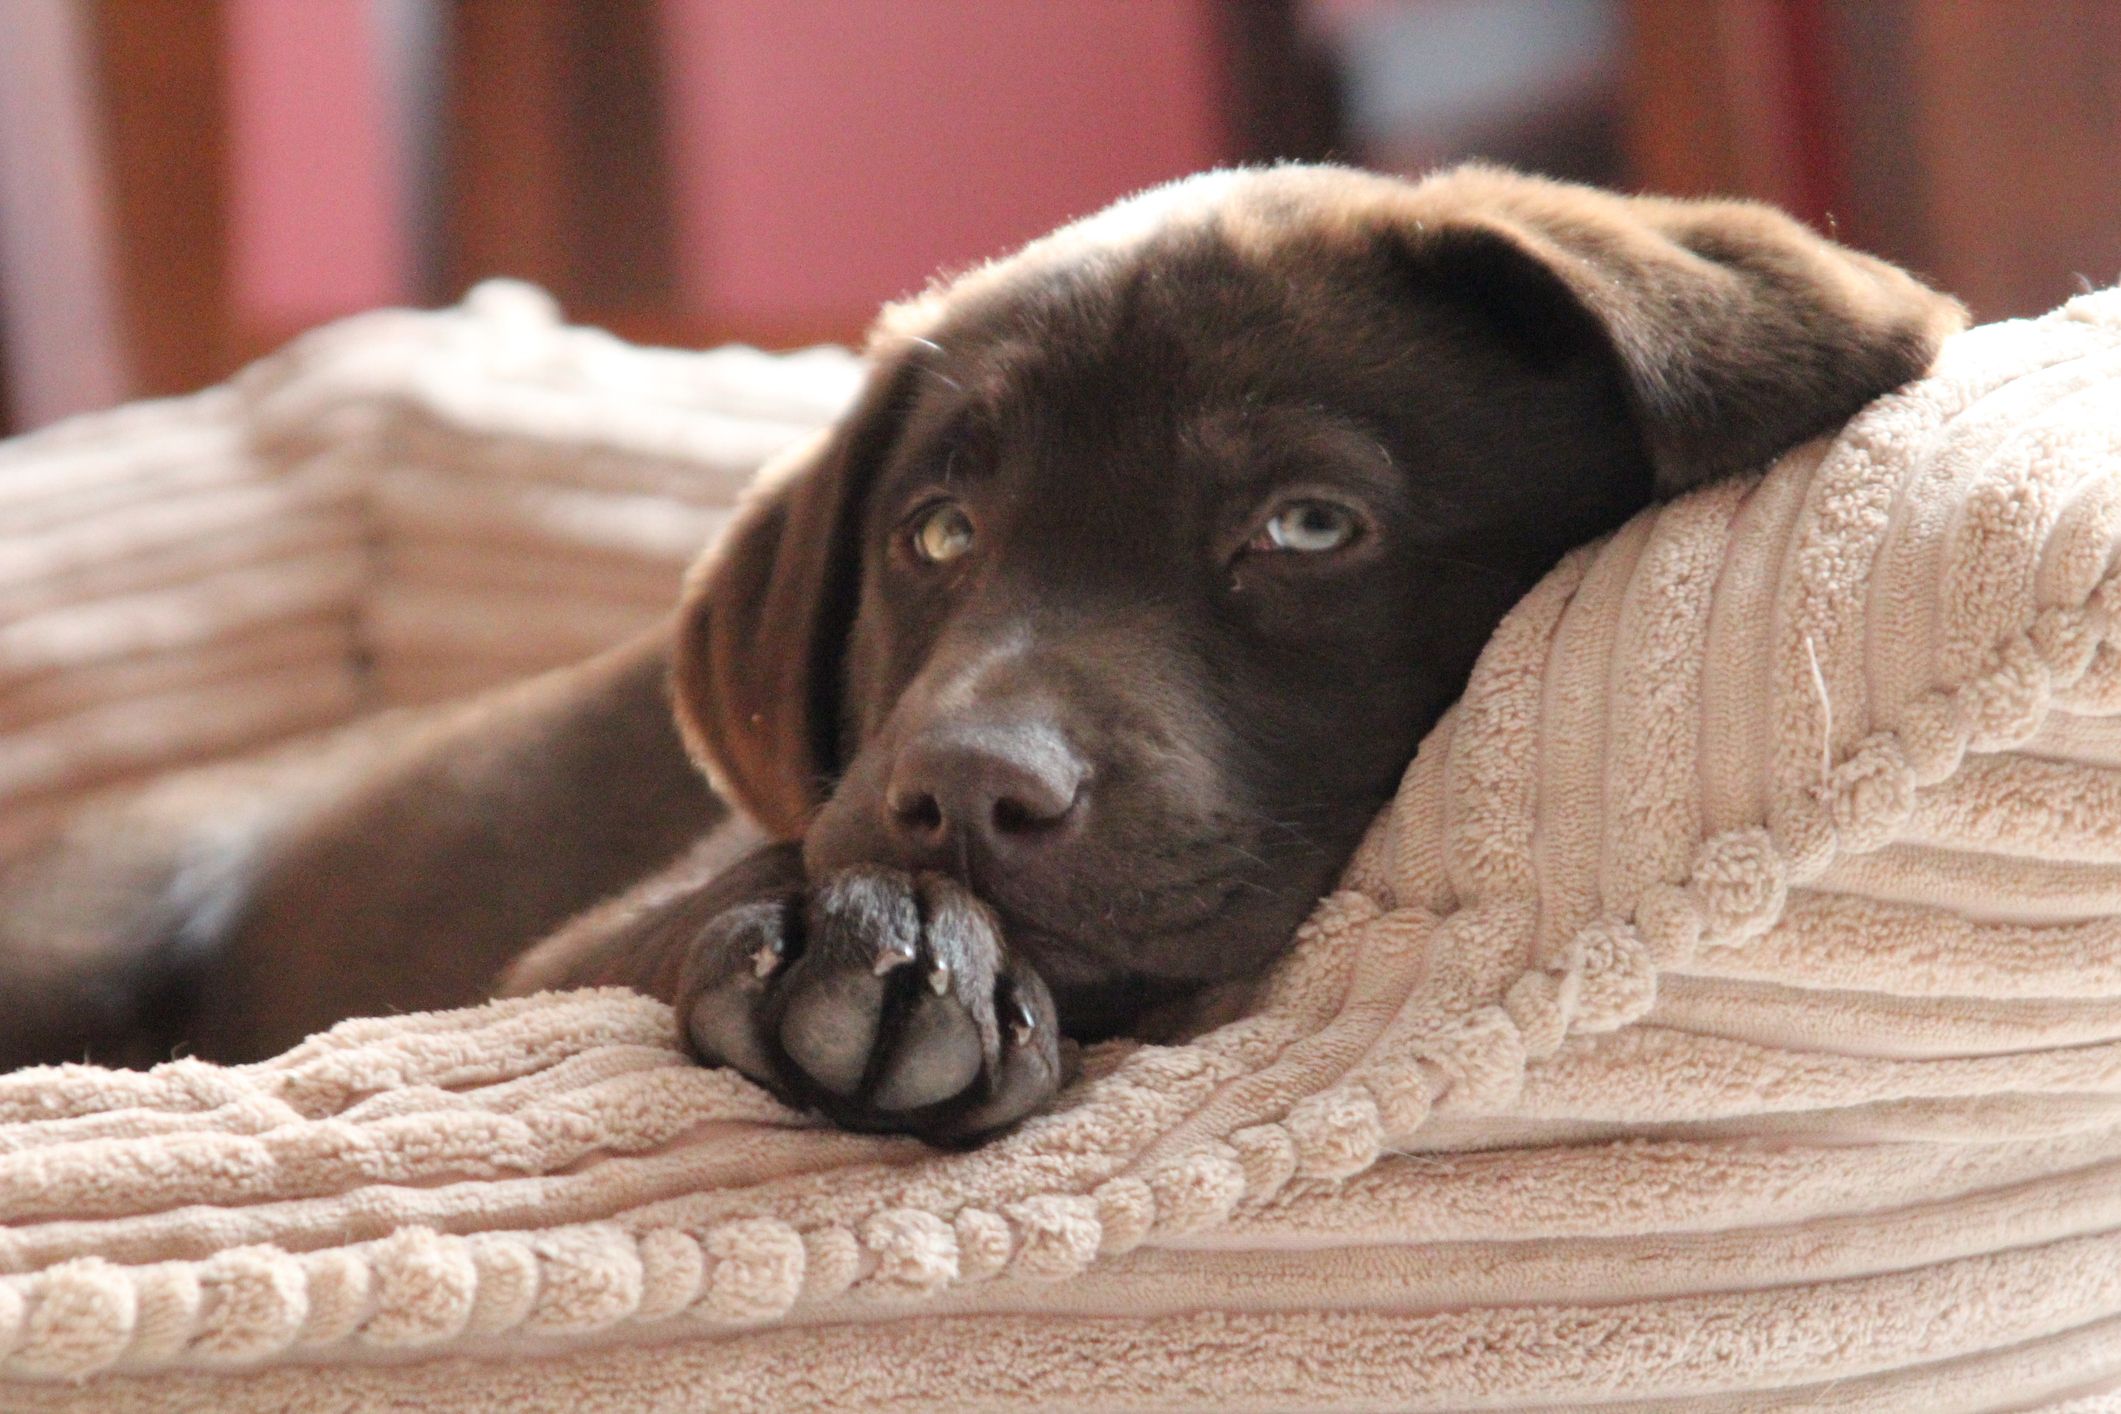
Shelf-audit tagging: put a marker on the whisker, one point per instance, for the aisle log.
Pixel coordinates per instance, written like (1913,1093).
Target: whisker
(1495,570)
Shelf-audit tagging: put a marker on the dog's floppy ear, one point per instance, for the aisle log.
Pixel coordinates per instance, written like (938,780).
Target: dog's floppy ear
(757,664)
(1735,331)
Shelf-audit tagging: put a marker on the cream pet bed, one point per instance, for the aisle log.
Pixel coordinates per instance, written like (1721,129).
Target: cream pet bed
(1726,1014)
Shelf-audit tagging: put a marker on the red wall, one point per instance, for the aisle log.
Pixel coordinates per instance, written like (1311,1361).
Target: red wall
(834,153)
(827,154)
(316,203)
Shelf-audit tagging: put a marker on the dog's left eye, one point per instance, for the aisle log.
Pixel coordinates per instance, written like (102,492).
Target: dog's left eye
(1307,528)
(942,533)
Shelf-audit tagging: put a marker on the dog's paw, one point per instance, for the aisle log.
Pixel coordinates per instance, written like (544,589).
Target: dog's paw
(884,999)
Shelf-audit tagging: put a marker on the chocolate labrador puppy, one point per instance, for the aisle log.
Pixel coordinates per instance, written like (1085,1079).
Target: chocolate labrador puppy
(1065,673)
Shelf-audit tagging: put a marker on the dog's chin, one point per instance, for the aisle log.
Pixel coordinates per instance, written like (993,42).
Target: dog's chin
(1103,982)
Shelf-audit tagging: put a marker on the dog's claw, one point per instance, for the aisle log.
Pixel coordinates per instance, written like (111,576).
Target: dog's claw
(1023,1022)
(939,979)
(767,960)
(895,954)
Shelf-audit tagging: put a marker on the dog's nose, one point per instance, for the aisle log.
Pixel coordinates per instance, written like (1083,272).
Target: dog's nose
(1002,788)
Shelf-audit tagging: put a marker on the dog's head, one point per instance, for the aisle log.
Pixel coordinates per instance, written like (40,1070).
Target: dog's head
(1149,553)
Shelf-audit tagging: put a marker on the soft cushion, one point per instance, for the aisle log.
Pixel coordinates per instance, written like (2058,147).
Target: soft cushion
(1727,1012)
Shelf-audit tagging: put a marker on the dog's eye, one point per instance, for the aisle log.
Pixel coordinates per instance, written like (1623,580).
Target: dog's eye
(942,533)
(1307,528)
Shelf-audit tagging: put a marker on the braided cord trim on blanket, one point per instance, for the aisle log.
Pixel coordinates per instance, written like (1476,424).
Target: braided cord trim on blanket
(1422,988)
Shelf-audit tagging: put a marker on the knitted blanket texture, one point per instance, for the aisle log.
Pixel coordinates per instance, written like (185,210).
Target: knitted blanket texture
(1725,1014)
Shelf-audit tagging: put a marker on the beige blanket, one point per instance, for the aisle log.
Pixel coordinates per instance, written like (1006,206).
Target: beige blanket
(398,508)
(1726,1014)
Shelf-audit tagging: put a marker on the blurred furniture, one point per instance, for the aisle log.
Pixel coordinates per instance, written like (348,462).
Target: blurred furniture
(403,506)
(184,184)
(191,182)
(1974,143)
(57,309)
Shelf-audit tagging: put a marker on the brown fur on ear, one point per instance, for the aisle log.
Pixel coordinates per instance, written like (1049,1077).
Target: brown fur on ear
(764,616)
(1737,332)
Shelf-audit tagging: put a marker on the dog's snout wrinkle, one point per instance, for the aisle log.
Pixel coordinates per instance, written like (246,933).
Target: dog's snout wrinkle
(1001,789)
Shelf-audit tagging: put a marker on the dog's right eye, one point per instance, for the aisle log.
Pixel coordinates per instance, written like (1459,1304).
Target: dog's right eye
(1308,528)
(942,533)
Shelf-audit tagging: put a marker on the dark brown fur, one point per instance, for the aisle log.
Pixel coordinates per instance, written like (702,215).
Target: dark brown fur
(1110,753)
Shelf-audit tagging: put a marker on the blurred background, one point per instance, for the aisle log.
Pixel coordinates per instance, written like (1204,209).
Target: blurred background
(184,184)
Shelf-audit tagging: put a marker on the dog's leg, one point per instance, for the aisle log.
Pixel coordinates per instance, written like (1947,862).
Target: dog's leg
(107,928)
(474,840)
(397,868)
(97,924)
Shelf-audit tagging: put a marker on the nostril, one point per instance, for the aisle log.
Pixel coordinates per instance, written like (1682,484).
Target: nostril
(920,812)
(1017,817)
(990,788)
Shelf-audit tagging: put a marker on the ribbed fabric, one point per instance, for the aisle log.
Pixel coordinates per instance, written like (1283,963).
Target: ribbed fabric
(397,508)
(1725,1015)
